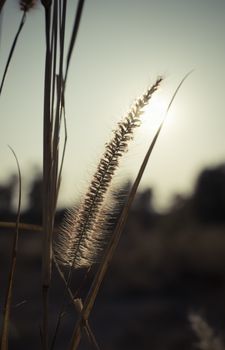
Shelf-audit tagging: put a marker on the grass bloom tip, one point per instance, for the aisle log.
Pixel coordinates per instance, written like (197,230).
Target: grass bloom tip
(26,5)
(84,231)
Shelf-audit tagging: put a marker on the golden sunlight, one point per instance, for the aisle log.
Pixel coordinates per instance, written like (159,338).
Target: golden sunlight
(154,112)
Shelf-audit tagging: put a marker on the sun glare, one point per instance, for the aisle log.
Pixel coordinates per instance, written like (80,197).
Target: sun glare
(154,112)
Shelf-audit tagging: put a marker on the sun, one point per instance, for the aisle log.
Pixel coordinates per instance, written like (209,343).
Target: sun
(154,112)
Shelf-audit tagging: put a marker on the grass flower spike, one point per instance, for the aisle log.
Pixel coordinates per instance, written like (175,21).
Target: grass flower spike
(83,233)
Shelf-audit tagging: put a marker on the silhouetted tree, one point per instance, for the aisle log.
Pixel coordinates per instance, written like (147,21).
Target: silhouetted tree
(35,195)
(143,201)
(7,193)
(209,196)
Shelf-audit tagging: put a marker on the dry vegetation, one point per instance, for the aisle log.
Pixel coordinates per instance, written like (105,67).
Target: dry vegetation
(85,241)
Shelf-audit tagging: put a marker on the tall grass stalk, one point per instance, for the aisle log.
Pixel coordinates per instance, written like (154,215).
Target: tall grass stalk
(8,298)
(21,226)
(53,116)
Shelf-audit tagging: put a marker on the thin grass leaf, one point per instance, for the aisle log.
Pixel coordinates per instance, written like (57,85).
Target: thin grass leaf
(90,299)
(63,152)
(21,226)
(54,41)
(47,161)
(60,111)
(62,83)
(55,23)
(8,299)
(76,26)
(23,19)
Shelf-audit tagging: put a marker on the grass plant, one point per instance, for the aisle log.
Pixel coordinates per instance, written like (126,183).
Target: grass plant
(84,235)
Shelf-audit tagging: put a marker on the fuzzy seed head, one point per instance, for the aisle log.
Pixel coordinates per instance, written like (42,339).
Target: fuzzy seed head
(83,233)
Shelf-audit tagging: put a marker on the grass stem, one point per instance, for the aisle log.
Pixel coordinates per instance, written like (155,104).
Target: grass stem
(23,19)
(8,299)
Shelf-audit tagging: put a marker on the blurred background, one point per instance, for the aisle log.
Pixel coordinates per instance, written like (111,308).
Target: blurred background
(171,258)
(167,266)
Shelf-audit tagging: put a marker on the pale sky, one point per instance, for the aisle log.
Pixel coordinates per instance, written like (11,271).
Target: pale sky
(122,47)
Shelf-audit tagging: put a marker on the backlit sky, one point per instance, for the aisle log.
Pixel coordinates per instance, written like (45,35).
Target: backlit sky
(121,48)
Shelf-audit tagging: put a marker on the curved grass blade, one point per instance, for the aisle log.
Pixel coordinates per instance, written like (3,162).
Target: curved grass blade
(74,34)
(8,299)
(23,19)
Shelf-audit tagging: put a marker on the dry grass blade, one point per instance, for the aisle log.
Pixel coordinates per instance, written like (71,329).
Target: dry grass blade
(63,150)
(58,113)
(63,86)
(12,50)
(7,305)
(54,42)
(21,226)
(62,82)
(89,302)
(74,33)
(54,114)
(47,172)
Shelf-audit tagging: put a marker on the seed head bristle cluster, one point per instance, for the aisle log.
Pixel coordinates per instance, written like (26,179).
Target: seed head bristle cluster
(82,235)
